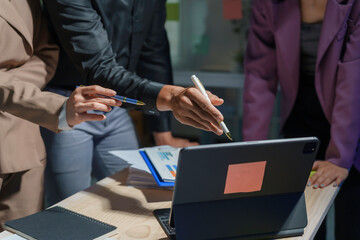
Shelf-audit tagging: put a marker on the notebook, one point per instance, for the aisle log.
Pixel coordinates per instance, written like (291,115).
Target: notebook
(246,190)
(59,223)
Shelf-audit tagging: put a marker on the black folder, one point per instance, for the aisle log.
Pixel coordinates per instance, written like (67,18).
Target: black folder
(59,223)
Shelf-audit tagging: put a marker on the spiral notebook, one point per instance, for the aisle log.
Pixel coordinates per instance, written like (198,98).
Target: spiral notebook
(59,223)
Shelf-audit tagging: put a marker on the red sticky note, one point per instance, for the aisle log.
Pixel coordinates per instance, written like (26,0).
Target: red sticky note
(245,177)
(232,9)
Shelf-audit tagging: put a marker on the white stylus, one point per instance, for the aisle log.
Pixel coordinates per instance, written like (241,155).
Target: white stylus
(201,88)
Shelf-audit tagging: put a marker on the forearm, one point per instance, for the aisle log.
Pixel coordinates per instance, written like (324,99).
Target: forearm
(25,100)
(81,33)
(345,120)
(36,71)
(345,116)
(127,84)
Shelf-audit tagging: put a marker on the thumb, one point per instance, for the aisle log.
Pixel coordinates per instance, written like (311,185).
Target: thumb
(316,165)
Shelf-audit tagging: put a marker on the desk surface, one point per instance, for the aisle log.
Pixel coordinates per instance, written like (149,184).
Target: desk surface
(130,209)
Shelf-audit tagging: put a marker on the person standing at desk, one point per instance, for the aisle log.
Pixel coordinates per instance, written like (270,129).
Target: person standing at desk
(312,50)
(117,44)
(27,62)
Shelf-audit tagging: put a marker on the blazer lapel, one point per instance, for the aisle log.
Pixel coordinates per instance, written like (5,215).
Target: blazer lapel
(9,14)
(334,22)
(287,35)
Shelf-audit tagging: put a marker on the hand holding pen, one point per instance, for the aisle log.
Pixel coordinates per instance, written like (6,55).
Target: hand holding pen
(87,98)
(201,88)
(121,98)
(190,107)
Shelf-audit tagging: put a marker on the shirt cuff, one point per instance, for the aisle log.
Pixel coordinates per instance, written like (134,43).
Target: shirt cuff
(63,125)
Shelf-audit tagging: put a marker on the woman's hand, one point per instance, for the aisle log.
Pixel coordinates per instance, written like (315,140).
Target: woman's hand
(327,173)
(88,98)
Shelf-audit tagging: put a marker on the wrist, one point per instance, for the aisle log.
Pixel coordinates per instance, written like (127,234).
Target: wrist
(166,95)
(63,122)
(69,120)
(161,138)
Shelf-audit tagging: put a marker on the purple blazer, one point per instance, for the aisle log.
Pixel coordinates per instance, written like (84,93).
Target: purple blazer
(273,59)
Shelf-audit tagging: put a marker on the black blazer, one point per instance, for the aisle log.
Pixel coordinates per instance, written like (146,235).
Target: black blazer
(118,44)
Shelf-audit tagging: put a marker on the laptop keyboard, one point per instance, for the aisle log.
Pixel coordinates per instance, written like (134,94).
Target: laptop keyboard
(165,221)
(163,215)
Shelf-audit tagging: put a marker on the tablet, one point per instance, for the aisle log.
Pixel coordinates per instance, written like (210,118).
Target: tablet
(244,190)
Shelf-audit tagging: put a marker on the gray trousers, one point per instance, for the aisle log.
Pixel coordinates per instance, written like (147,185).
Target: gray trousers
(75,156)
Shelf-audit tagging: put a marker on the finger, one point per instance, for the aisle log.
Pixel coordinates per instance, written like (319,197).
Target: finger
(215,100)
(118,103)
(105,101)
(205,119)
(191,122)
(338,181)
(198,112)
(327,181)
(87,106)
(210,125)
(194,111)
(315,184)
(91,117)
(95,89)
(217,130)
(313,179)
(204,104)
(315,166)
(319,181)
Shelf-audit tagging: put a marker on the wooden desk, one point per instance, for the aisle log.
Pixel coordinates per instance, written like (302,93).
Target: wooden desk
(130,209)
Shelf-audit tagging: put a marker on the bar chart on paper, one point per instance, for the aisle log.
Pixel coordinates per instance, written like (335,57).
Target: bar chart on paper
(164,159)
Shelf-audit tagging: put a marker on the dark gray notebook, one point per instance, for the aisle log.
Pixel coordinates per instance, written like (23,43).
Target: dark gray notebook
(59,223)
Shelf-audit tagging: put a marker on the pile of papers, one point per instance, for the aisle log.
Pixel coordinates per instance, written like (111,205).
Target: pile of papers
(140,178)
(139,172)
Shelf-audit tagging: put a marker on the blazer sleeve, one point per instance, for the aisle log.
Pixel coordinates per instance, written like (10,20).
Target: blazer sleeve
(345,118)
(261,80)
(27,101)
(20,87)
(84,38)
(155,64)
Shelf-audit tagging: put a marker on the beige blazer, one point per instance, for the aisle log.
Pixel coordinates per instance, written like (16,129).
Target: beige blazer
(27,62)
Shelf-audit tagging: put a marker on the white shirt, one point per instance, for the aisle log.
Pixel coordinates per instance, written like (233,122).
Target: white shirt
(63,125)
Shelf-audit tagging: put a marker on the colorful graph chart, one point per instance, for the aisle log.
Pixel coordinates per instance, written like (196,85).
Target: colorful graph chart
(164,159)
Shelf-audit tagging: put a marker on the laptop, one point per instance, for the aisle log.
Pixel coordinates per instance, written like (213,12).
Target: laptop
(243,190)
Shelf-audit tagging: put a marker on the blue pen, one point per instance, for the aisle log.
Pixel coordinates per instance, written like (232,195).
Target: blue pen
(123,99)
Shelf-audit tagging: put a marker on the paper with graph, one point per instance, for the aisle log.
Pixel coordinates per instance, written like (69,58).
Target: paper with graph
(164,159)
